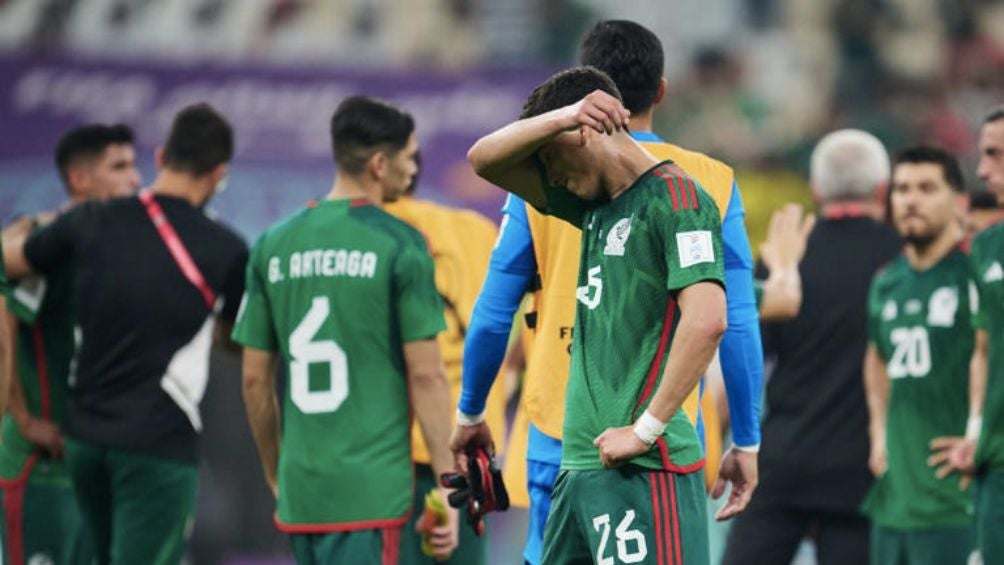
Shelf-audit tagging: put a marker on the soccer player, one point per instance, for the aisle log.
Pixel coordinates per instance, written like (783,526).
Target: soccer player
(95,161)
(917,366)
(539,254)
(461,243)
(344,295)
(151,278)
(650,313)
(981,450)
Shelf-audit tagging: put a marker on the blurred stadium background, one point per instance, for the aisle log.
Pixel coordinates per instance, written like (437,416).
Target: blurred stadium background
(752,82)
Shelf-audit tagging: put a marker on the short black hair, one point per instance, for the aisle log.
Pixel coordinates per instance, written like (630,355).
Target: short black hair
(950,169)
(631,55)
(994,115)
(566,88)
(362,126)
(199,141)
(87,142)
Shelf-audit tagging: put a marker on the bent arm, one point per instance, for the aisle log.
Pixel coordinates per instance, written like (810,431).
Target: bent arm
(876,393)
(702,323)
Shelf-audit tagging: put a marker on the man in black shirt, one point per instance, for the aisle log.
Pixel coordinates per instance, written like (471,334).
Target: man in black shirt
(814,458)
(153,276)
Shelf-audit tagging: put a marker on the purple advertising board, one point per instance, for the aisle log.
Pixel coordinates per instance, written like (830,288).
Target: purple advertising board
(280,116)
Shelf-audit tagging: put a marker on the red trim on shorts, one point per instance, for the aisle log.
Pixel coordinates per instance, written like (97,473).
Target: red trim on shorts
(676,517)
(340,526)
(653,372)
(42,368)
(657,516)
(391,546)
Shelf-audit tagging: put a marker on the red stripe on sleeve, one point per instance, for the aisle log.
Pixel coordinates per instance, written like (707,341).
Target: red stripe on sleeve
(693,193)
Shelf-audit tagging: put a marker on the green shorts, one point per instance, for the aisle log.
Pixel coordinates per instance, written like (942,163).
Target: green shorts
(472,549)
(627,515)
(990,517)
(362,547)
(934,546)
(137,508)
(41,524)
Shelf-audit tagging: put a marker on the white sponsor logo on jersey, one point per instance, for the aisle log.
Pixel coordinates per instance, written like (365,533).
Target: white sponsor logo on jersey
(695,247)
(889,311)
(994,273)
(942,307)
(618,237)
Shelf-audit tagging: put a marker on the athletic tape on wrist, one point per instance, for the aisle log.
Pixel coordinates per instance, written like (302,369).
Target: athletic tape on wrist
(468,419)
(648,428)
(973,427)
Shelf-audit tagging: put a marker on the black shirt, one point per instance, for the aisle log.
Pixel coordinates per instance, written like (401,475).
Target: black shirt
(815,436)
(144,330)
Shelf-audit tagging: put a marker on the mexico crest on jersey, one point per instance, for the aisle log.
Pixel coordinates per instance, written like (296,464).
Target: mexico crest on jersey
(942,307)
(618,237)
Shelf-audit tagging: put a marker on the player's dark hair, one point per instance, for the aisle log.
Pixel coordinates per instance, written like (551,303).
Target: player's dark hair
(950,169)
(362,126)
(994,115)
(631,55)
(199,141)
(566,88)
(982,200)
(85,143)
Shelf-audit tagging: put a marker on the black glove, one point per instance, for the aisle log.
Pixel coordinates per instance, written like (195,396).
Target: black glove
(481,489)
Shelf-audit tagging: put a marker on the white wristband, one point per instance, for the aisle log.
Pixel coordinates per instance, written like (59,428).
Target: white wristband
(648,428)
(469,420)
(973,427)
(755,448)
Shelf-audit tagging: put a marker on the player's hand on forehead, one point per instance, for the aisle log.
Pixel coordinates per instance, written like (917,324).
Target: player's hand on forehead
(600,111)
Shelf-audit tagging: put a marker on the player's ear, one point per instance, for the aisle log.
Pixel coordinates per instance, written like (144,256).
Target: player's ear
(376,165)
(660,93)
(217,174)
(79,180)
(158,158)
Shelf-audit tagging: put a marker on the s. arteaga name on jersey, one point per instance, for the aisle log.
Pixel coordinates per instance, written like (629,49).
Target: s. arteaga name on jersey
(323,263)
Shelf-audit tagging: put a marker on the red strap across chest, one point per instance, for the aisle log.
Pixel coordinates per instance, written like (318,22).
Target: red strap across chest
(177,248)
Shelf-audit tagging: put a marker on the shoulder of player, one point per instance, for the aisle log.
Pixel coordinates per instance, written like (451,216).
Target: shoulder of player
(693,161)
(677,190)
(404,233)
(892,273)
(992,236)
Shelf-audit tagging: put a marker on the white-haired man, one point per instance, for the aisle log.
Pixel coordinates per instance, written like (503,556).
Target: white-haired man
(814,459)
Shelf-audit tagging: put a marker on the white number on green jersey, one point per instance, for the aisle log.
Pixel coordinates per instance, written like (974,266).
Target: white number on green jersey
(591,293)
(911,356)
(305,352)
(631,545)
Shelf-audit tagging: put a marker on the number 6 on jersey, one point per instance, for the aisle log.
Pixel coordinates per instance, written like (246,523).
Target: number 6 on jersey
(304,352)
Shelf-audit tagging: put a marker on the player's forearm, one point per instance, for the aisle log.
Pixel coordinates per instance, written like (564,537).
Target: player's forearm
(496,154)
(262,407)
(977,383)
(876,393)
(430,400)
(694,343)
(16,406)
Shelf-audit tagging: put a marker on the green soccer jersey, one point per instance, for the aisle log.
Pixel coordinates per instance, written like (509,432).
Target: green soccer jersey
(920,323)
(638,251)
(337,289)
(45,346)
(987,257)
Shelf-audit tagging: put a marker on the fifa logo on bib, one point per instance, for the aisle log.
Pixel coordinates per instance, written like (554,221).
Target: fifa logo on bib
(618,237)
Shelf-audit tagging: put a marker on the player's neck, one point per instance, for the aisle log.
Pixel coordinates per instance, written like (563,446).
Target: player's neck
(642,122)
(922,258)
(630,162)
(346,186)
(195,190)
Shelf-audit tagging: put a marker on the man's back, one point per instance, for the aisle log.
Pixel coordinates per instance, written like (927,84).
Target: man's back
(815,447)
(144,330)
(338,288)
